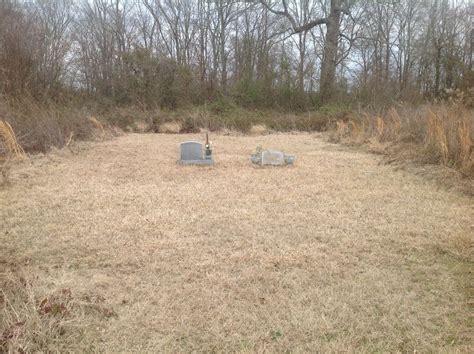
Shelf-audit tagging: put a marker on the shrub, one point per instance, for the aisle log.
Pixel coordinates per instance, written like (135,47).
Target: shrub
(222,105)
(40,126)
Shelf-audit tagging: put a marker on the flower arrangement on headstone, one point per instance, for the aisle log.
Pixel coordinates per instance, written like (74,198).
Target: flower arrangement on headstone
(207,149)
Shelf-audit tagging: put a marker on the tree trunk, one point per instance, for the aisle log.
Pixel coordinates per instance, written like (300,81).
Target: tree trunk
(328,66)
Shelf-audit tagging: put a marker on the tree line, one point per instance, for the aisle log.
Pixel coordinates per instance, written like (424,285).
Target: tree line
(260,53)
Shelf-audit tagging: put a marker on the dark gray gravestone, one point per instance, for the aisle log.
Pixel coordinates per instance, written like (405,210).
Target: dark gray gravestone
(191,150)
(192,154)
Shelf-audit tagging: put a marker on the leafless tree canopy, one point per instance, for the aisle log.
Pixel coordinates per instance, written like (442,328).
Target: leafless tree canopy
(261,53)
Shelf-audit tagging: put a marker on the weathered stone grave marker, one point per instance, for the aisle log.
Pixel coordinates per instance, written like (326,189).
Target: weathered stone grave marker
(271,158)
(191,150)
(192,154)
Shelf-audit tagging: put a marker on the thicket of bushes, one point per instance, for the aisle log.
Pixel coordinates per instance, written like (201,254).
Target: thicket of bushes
(39,126)
(432,133)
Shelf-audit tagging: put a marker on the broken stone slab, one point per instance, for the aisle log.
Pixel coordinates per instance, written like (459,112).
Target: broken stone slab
(290,159)
(271,158)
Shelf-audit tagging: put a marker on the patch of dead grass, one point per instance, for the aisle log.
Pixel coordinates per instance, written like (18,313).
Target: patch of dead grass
(97,124)
(259,129)
(10,150)
(170,128)
(35,317)
(338,253)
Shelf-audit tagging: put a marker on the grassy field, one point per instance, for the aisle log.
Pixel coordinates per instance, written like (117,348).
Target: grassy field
(116,247)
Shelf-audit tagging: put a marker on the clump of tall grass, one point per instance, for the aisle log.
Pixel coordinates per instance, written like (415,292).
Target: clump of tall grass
(9,146)
(10,150)
(437,134)
(28,323)
(97,124)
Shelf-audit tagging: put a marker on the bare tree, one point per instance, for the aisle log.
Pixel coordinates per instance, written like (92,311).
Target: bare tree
(259,52)
(332,22)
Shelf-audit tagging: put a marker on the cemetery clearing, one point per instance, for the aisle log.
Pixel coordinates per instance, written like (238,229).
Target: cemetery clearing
(118,246)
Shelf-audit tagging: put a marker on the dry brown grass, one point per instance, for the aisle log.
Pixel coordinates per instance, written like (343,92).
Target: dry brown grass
(97,124)
(8,142)
(143,127)
(170,128)
(435,134)
(40,126)
(10,150)
(259,129)
(118,248)
(35,319)
(237,119)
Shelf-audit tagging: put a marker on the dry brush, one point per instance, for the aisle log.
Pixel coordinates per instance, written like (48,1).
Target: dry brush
(435,134)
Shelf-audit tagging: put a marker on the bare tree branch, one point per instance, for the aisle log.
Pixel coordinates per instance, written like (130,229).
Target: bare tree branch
(296,28)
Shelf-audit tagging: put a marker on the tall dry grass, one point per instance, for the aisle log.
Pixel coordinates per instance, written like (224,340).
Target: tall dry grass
(40,126)
(437,134)
(10,150)
(9,146)
(29,323)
